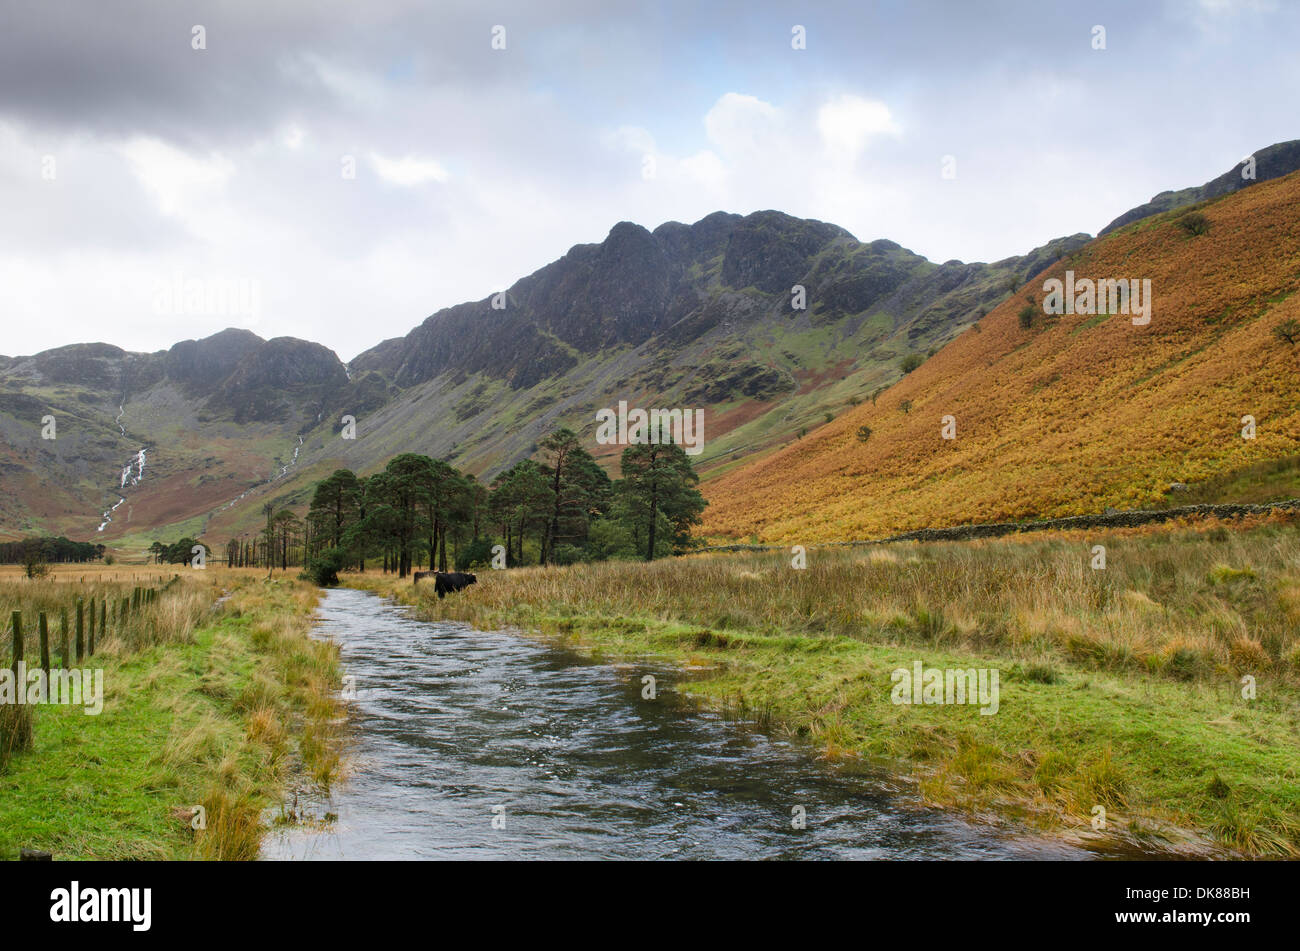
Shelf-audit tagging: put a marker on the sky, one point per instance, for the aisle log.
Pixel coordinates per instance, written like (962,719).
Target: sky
(338,171)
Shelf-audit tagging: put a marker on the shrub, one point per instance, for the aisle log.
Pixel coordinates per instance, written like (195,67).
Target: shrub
(911,362)
(1288,331)
(864,433)
(610,538)
(566,555)
(1194,223)
(323,570)
(1027,316)
(477,554)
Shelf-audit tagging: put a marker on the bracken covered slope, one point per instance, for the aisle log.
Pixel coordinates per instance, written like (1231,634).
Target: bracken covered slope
(1074,414)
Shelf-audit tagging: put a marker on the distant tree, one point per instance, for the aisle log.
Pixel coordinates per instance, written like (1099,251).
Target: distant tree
(580,490)
(287,528)
(408,480)
(377,529)
(1288,331)
(180,552)
(334,507)
(864,433)
(35,566)
(268,536)
(658,480)
(911,362)
(829,417)
(1027,314)
(444,499)
(521,502)
(905,406)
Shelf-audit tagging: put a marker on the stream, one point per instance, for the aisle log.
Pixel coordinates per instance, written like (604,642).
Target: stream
(487,744)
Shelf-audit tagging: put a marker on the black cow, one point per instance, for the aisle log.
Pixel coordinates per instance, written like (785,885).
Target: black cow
(445,581)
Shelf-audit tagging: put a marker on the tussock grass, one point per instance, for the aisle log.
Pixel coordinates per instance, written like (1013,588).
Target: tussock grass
(15,732)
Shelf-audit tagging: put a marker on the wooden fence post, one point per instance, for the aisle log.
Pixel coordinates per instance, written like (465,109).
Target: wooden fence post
(43,631)
(65,651)
(91,632)
(103,622)
(18,640)
(81,637)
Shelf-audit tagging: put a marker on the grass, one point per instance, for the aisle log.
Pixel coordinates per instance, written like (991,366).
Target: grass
(219,709)
(1120,688)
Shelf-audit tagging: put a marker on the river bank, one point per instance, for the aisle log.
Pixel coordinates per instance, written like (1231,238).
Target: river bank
(220,701)
(1123,720)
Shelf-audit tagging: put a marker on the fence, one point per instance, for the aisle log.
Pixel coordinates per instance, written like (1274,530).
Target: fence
(92,622)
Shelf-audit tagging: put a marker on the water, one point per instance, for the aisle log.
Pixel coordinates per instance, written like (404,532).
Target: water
(451,722)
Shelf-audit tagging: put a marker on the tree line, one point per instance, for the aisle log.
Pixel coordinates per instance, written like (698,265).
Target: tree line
(58,550)
(559,509)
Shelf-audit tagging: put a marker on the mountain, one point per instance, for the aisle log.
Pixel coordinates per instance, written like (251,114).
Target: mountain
(686,315)
(1275,161)
(697,315)
(1074,414)
(167,435)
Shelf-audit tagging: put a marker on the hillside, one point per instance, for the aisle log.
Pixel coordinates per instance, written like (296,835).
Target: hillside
(1075,414)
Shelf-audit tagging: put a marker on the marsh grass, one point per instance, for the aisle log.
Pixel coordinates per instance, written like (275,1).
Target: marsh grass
(1182,604)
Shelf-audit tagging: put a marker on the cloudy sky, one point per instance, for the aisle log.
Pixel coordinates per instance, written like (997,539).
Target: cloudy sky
(133,165)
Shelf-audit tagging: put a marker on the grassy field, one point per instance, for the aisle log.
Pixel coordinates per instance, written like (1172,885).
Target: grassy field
(207,702)
(1119,687)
